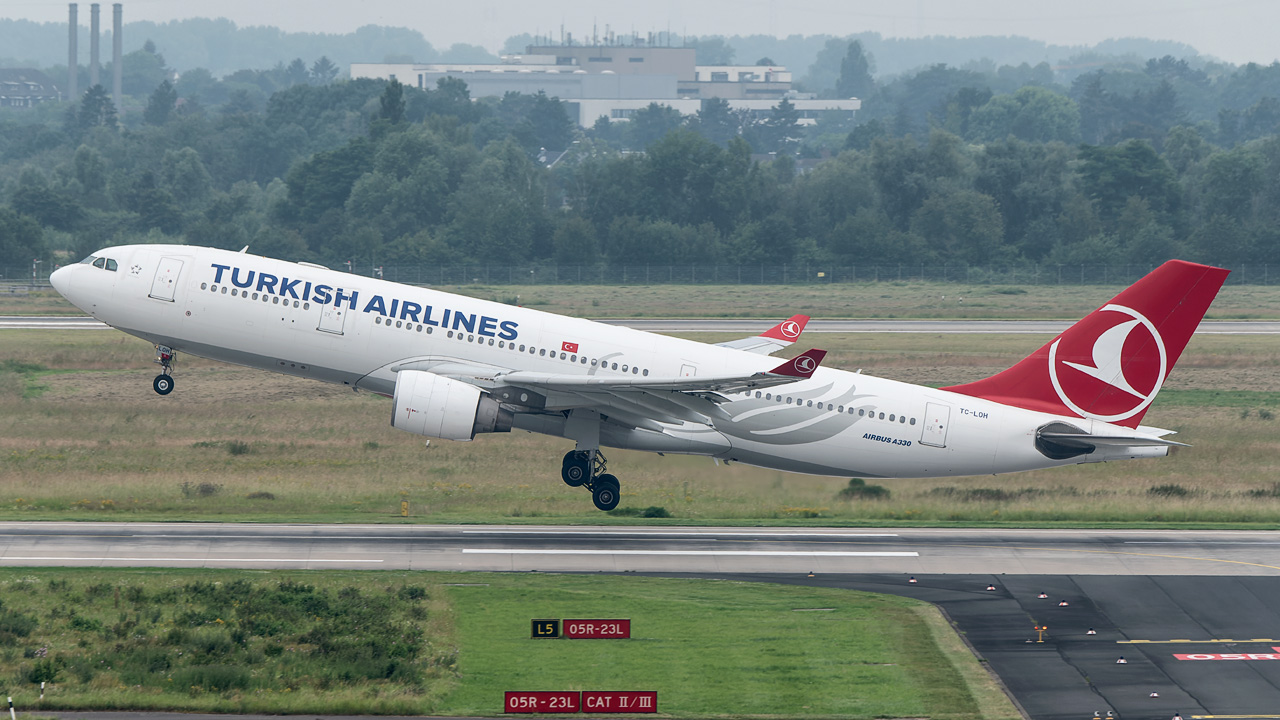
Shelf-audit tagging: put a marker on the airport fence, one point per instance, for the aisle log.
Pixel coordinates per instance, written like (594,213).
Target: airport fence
(12,278)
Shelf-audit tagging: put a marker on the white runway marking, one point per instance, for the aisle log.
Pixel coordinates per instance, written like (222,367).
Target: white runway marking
(675,533)
(715,553)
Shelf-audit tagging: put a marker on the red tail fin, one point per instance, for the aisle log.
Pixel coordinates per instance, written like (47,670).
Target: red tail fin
(1110,365)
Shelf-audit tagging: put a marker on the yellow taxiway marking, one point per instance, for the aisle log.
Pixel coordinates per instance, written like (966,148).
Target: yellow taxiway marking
(1200,642)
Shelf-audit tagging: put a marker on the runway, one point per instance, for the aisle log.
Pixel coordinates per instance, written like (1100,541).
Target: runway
(1150,595)
(746,327)
(642,549)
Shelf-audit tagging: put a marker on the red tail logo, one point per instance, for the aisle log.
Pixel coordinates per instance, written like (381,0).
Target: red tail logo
(1110,365)
(1127,364)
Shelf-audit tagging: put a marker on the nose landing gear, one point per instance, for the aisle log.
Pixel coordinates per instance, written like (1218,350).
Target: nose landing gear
(163,383)
(587,468)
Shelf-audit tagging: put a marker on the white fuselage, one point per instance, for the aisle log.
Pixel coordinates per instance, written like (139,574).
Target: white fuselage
(313,322)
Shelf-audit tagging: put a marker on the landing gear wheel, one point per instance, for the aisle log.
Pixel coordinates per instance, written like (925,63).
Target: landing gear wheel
(163,384)
(605,492)
(576,468)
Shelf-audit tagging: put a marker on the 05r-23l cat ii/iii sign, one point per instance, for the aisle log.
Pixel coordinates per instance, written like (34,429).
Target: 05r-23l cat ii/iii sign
(456,366)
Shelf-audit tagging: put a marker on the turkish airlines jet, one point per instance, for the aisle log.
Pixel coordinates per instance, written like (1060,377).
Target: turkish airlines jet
(456,366)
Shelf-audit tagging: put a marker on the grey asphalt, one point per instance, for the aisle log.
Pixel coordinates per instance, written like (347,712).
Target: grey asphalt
(1211,591)
(689,325)
(640,549)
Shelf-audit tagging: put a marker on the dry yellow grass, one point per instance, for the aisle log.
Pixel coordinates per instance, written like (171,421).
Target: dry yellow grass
(97,442)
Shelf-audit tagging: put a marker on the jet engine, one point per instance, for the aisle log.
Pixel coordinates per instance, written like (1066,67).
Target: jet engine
(435,406)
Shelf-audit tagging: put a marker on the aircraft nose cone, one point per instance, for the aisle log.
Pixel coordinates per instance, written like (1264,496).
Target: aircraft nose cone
(60,279)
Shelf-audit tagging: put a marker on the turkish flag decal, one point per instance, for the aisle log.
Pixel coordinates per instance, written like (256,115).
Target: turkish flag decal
(569,347)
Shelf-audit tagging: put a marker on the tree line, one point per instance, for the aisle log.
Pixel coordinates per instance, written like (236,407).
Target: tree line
(1130,164)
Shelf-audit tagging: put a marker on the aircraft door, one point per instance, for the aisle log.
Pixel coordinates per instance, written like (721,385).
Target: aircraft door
(166,279)
(332,319)
(936,418)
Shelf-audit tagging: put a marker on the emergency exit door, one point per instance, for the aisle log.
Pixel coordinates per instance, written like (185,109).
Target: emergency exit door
(166,281)
(936,419)
(332,319)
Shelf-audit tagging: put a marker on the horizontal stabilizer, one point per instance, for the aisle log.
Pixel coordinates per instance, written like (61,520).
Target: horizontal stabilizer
(780,336)
(1082,440)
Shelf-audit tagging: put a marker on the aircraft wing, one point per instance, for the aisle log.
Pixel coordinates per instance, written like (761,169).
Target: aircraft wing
(772,340)
(647,401)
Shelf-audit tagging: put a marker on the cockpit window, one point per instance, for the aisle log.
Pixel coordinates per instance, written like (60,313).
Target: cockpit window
(111,265)
(100,262)
(89,260)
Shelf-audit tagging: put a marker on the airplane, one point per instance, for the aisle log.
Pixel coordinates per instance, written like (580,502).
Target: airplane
(456,366)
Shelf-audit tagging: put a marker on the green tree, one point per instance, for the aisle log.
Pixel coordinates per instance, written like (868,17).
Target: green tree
(140,72)
(1032,113)
(716,121)
(1111,175)
(160,105)
(21,238)
(712,50)
(651,123)
(323,71)
(391,104)
(96,109)
(965,223)
(184,175)
(296,73)
(575,242)
(855,79)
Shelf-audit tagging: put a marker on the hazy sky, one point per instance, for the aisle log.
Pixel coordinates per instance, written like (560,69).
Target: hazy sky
(1234,30)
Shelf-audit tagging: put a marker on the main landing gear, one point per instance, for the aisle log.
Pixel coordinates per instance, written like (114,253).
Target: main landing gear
(587,468)
(163,384)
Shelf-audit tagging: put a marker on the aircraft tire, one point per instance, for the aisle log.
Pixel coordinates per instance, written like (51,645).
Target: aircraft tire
(163,384)
(606,492)
(576,468)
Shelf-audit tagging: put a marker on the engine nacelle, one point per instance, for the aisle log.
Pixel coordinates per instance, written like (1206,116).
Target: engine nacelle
(435,406)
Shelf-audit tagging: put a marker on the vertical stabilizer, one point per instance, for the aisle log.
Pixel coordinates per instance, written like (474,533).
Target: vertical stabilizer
(1110,365)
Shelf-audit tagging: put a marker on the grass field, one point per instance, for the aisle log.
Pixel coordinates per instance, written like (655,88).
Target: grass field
(83,437)
(861,300)
(452,643)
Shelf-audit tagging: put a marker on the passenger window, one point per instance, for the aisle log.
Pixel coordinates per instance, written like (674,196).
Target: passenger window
(573,358)
(615,366)
(224,289)
(757,394)
(913,421)
(890,417)
(234,292)
(646,374)
(624,368)
(810,403)
(902,418)
(543,351)
(862,413)
(634,370)
(111,265)
(881,416)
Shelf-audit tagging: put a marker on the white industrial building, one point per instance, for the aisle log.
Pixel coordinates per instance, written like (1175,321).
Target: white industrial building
(613,81)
